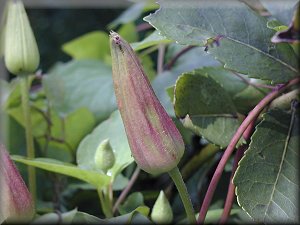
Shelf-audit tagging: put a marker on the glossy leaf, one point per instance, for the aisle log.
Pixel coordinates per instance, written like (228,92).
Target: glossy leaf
(113,129)
(241,36)
(205,107)
(267,184)
(52,165)
(83,83)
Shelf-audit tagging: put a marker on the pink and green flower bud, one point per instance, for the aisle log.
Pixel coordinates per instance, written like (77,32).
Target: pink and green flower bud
(16,202)
(155,142)
(21,53)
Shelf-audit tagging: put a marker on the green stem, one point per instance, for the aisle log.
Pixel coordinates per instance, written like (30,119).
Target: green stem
(104,204)
(28,129)
(184,195)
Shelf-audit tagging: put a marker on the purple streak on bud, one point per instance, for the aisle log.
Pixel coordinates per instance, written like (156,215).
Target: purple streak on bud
(155,142)
(16,201)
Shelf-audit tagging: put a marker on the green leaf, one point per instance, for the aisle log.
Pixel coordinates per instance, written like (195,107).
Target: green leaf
(213,216)
(55,218)
(244,95)
(277,26)
(113,129)
(83,83)
(93,45)
(132,13)
(74,127)
(153,39)
(120,182)
(267,181)
(205,108)
(68,130)
(242,34)
(283,11)
(191,60)
(52,165)
(132,202)
(128,32)
(85,218)
(137,216)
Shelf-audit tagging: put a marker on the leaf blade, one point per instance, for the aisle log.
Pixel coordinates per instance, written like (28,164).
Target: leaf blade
(96,179)
(273,180)
(240,29)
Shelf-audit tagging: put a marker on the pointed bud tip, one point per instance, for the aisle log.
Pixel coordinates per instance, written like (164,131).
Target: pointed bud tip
(162,212)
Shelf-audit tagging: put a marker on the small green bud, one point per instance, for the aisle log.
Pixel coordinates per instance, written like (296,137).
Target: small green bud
(162,212)
(104,156)
(21,53)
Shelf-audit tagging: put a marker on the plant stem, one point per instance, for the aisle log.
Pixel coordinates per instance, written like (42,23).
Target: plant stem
(104,204)
(251,116)
(176,57)
(127,189)
(231,187)
(184,195)
(29,138)
(160,58)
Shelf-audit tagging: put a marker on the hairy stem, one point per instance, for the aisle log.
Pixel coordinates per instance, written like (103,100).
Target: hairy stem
(127,189)
(251,116)
(184,195)
(28,129)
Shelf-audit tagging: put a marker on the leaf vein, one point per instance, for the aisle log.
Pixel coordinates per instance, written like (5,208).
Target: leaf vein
(264,53)
(282,159)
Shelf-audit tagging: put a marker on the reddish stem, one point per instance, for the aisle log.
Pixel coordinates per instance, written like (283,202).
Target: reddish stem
(251,116)
(231,187)
(170,64)
(127,189)
(143,27)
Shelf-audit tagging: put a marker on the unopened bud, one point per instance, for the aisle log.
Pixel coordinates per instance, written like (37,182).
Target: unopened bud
(104,156)
(21,53)
(16,202)
(162,212)
(154,140)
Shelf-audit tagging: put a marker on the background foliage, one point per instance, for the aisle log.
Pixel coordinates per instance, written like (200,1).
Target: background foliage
(208,91)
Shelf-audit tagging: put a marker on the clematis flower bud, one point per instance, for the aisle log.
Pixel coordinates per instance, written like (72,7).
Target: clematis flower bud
(16,203)
(162,212)
(155,142)
(104,156)
(21,53)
